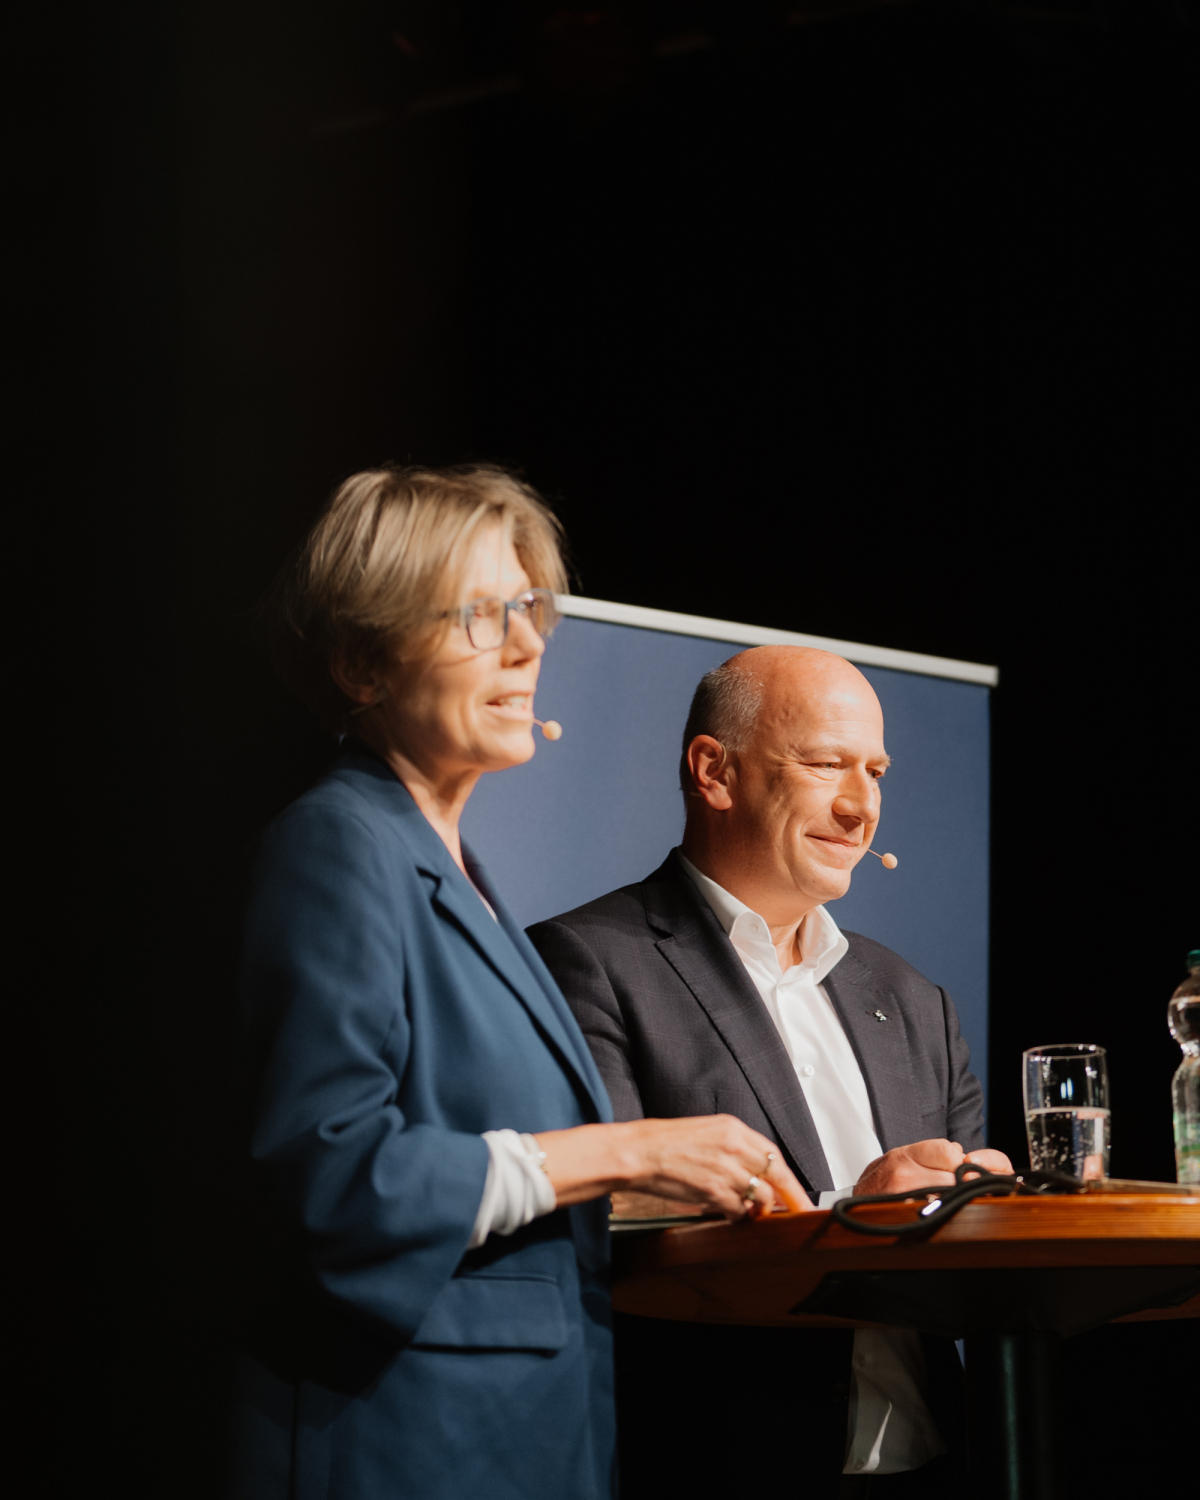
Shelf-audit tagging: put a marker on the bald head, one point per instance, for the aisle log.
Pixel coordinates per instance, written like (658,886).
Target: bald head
(782,757)
(768,687)
(796,671)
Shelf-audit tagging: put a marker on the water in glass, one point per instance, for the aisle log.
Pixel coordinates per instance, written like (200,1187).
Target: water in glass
(1066,1109)
(1074,1141)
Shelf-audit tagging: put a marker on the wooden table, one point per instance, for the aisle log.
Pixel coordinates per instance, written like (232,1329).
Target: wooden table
(1011,1276)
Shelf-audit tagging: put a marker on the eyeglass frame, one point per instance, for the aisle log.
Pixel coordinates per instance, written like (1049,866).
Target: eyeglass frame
(461,615)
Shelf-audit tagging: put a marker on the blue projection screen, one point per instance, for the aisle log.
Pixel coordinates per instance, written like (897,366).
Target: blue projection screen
(601,807)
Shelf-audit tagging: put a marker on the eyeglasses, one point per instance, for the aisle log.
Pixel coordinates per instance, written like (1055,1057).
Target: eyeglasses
(486,620)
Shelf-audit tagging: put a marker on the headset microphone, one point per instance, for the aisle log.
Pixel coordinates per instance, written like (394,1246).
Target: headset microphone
(551,729)
(889,861)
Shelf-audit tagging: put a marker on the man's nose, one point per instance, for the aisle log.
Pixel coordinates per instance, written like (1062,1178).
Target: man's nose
(858,797)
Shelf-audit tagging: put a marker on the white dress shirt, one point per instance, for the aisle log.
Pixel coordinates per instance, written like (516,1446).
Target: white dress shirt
(890,1427)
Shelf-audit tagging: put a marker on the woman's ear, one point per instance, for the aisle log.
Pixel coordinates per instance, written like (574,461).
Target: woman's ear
(359,685)
(710,769)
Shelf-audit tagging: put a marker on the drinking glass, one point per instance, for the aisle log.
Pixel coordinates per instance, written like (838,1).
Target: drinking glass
(1066,1109)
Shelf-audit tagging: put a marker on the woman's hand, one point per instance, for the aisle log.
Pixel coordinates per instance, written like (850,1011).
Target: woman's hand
(705,1160)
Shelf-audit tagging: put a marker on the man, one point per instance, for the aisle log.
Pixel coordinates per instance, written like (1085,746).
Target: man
(721,984)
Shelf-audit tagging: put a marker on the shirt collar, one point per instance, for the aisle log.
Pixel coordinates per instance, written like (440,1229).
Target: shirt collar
(821,940)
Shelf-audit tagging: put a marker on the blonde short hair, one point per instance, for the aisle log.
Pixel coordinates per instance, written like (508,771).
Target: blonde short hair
(384,557)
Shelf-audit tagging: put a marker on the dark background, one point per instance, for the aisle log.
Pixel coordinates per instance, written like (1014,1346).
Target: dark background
(870,321)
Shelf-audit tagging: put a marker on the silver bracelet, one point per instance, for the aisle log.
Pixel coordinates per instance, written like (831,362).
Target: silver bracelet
(534,1152)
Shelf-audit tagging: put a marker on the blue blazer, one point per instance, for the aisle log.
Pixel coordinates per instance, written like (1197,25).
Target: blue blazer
(390,1021)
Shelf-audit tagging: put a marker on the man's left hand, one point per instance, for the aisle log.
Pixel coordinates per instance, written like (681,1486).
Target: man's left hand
(924,1164)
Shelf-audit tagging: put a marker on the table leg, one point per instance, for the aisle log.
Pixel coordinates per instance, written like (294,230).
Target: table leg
(1013,1405)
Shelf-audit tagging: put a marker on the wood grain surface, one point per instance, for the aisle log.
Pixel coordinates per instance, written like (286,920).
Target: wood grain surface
(755,1272)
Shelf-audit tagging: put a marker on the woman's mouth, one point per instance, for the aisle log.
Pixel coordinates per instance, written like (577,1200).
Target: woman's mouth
(514,704)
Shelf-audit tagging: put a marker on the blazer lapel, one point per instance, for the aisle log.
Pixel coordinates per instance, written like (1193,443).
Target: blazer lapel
(555,1017)
(453,897)
(500,942)
(881,1047)
(697,948)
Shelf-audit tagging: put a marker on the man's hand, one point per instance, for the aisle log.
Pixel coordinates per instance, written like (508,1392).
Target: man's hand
(924,1164)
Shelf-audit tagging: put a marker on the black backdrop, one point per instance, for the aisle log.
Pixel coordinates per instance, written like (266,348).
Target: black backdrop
(872,324)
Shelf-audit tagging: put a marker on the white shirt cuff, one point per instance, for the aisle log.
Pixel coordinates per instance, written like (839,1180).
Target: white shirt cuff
(516,1189)
(834,1195)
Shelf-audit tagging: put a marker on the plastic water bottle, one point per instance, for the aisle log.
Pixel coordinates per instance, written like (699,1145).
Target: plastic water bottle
(1183,1017)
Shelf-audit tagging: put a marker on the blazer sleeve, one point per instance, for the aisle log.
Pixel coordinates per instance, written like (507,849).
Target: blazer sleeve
(964,1102)
(589,992)
(378,1207)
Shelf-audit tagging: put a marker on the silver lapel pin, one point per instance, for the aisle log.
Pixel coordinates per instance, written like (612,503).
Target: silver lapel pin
(879,1015)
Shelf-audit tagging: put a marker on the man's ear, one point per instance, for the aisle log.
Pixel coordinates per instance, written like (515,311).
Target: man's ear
(359,685)
(711,772)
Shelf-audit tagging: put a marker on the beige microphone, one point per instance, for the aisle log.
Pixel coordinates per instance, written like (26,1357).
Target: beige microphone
(551,729)
(889,861)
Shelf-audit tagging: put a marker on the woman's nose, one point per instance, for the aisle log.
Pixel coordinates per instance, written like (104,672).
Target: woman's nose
(521,641)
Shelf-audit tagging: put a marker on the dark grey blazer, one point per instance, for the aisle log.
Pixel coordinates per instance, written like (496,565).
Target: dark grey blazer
(677,1027)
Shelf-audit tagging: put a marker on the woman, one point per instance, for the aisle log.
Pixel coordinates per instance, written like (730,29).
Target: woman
(432,1146)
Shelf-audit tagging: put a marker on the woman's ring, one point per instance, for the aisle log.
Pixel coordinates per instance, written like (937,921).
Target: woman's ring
(767,1168)
(751,1193)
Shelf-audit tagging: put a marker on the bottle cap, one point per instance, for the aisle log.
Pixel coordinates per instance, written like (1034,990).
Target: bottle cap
(1194,959)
